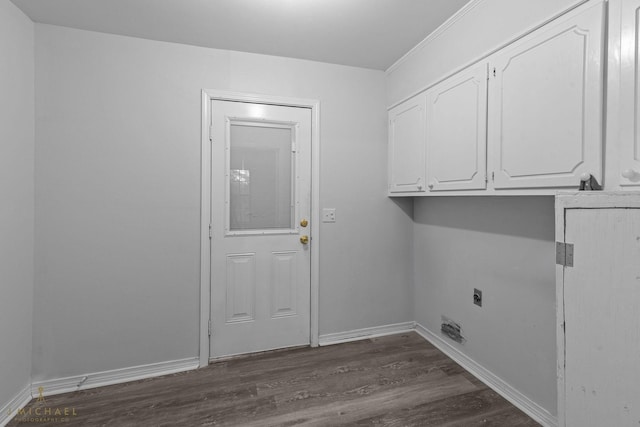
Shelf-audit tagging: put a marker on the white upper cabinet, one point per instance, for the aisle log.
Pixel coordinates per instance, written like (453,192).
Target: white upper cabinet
(528,119)
(630,95)
(407,146)
(456,131)
(546,104)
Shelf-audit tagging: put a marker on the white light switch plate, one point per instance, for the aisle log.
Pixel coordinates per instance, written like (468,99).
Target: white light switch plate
(328,215)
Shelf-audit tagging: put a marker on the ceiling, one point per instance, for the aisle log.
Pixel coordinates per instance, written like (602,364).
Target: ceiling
(363,33)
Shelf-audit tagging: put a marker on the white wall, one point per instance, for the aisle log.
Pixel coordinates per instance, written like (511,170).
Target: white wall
(503,246)
(16,195)
(118,196)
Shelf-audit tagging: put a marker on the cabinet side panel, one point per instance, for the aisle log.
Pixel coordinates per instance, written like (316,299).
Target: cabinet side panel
(601,305)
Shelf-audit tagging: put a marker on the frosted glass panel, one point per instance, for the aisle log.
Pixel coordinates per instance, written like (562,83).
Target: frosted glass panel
(260,178)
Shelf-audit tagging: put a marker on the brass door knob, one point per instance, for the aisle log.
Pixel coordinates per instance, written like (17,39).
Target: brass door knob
(304,240)
(304,223)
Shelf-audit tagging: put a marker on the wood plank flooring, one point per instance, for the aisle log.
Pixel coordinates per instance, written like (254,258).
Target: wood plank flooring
(398,380)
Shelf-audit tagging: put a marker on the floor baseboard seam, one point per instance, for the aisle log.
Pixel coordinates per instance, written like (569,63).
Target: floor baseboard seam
(365,333)
(497,384)
(115,376)
(15,405)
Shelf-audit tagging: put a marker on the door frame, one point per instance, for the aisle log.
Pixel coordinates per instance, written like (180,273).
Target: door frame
(209,95)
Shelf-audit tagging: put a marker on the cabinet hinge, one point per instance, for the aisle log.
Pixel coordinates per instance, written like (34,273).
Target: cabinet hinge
(210,231)
(211,133)
(493,176)
(494,71)
(564,254)
(209,327)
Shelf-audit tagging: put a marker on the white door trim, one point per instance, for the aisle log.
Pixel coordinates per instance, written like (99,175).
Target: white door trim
(205,207)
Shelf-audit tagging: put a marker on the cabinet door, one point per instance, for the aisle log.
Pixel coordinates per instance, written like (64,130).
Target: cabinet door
(601,302)
(407,146)
(546,104)
(456,131)
(630,97)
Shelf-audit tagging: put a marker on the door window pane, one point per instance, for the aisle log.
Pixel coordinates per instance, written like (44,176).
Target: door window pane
(260,178)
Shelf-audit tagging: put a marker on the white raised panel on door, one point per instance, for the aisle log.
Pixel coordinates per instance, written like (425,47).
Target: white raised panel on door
(630,97)
(456,131)
(240,287)
(284,268)
(407,146)
(546,104)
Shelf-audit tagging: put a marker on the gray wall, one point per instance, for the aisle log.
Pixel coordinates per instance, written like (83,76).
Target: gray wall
(503,246)
(16,195)
(118,196)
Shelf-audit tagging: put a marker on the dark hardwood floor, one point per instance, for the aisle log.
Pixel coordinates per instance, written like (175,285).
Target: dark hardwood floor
(398,380)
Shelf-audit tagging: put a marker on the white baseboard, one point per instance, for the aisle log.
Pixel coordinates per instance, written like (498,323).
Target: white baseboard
(9,410)
(116,376)
(365,333)
(521,401)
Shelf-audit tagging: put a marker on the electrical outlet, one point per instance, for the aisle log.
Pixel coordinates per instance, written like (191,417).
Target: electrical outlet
(477,297)
(328,215)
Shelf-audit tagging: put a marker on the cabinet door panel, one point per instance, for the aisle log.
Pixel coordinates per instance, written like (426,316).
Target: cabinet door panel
(407,146)
(630,96)
(545,106)
(456,131)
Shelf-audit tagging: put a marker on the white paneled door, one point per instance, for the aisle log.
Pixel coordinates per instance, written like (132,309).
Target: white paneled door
(545,104)
(261,206)
(630,94)
(457,131)
(407,146)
